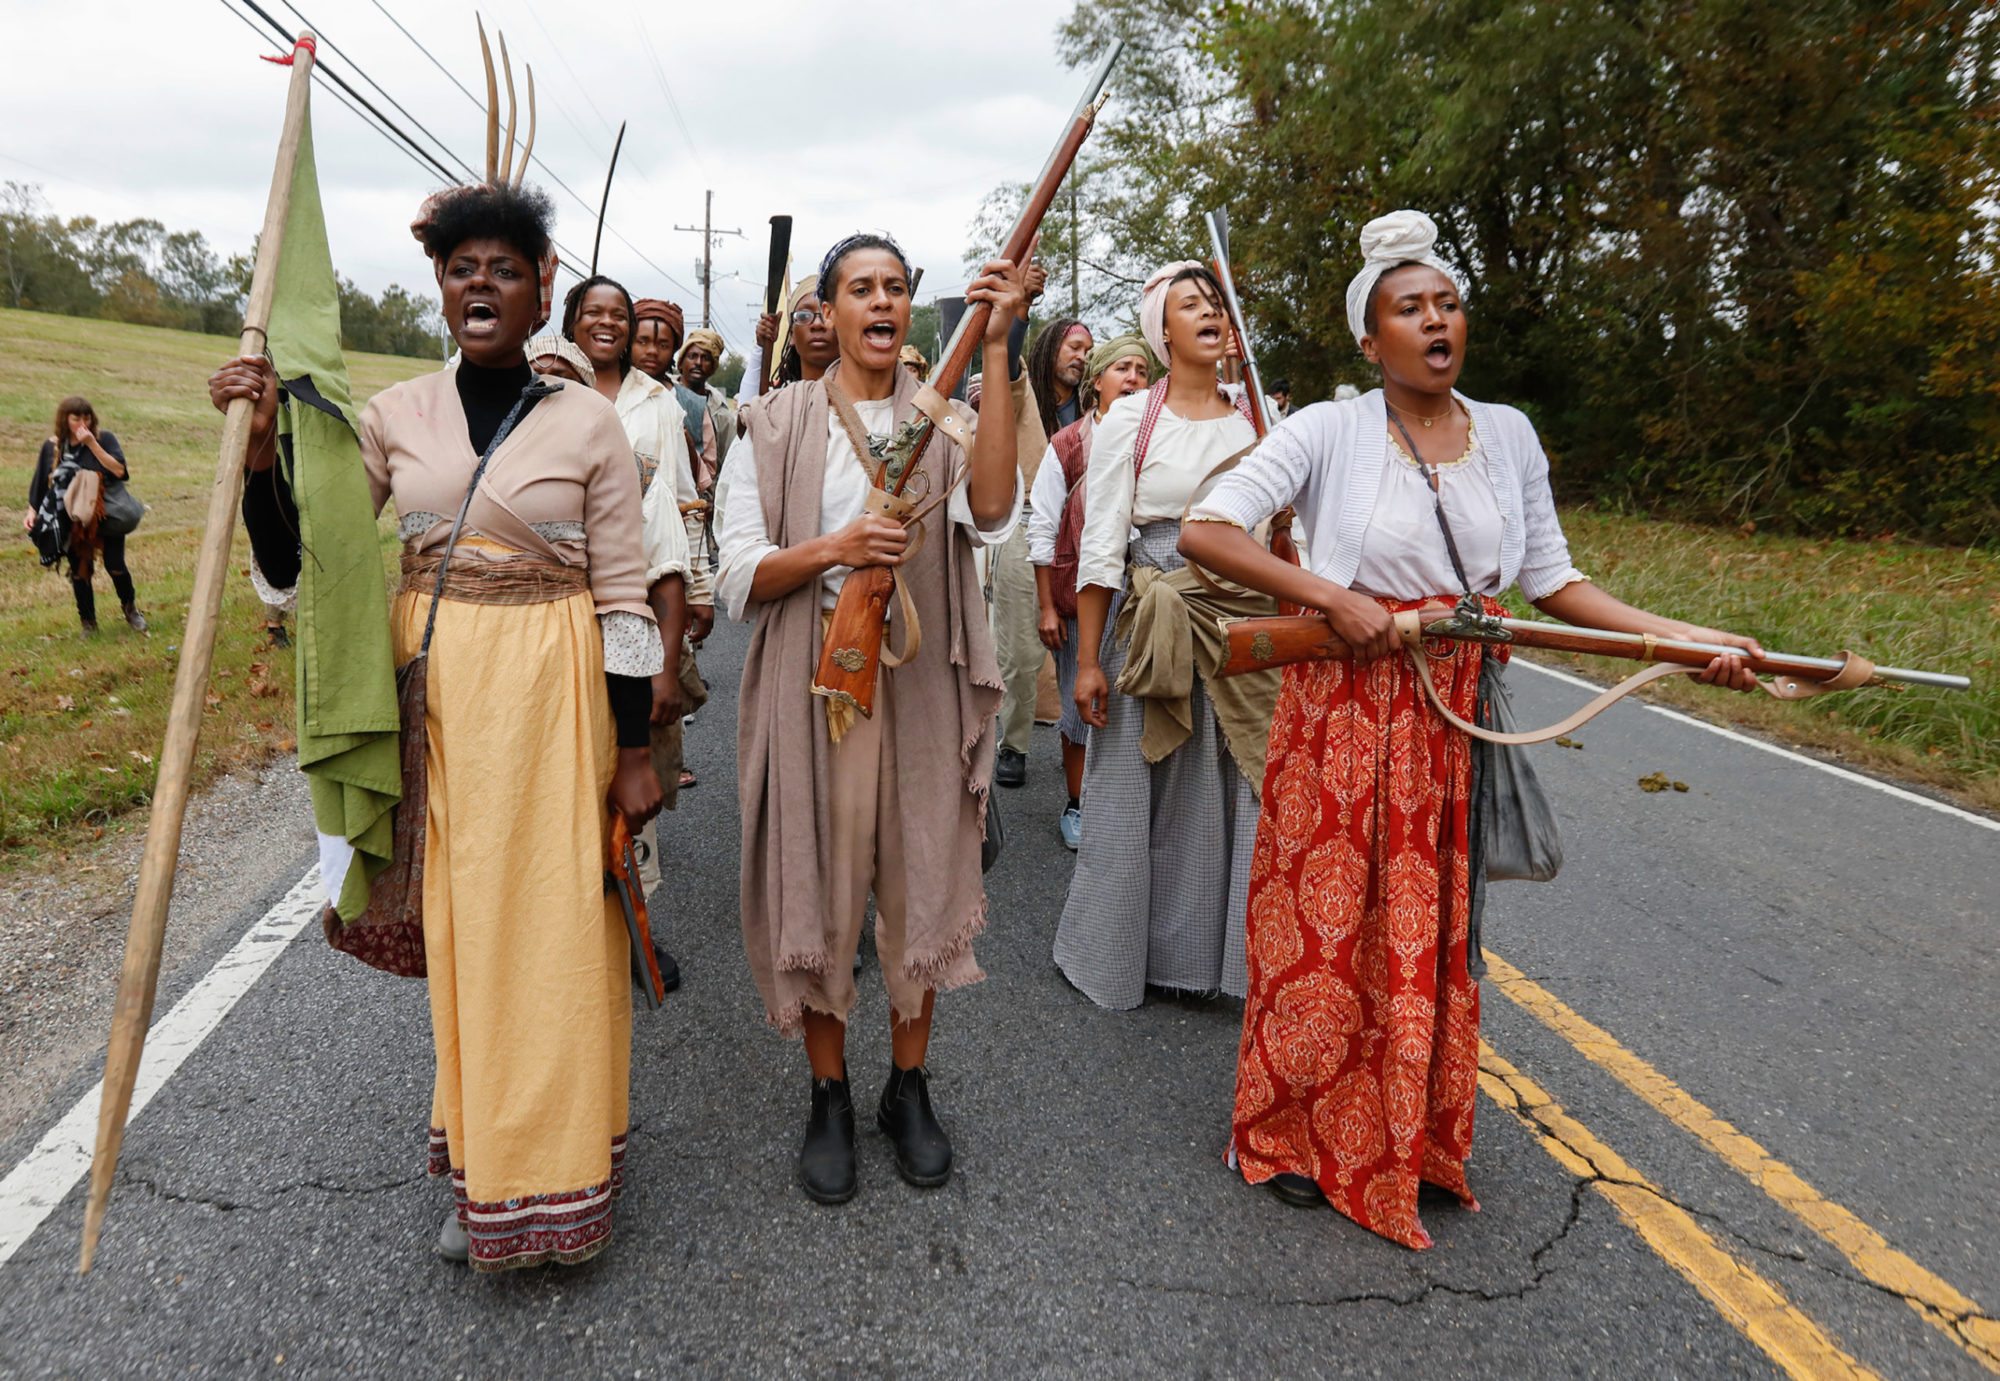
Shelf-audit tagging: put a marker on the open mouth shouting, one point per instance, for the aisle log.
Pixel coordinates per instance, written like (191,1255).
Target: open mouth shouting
(881,335)
(482,318)
(1209,335)
(1438,354)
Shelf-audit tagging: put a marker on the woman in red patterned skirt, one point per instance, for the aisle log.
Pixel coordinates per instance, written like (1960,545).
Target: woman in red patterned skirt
(1360,1050)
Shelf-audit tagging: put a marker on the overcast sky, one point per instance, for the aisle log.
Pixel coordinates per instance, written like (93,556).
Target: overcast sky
(849,115)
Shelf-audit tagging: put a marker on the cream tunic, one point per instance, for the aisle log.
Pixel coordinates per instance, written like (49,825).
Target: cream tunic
(1180,456)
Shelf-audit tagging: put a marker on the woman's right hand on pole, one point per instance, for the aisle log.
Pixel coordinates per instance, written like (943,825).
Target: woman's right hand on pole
(1093,696)
(767,330)
(870,540)
(250,376)
(1362,624)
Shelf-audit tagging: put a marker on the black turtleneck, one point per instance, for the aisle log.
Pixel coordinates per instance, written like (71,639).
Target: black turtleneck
(488,395)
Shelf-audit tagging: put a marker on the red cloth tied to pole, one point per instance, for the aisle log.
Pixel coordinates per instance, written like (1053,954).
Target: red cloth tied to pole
(310,45)
(1359,1059)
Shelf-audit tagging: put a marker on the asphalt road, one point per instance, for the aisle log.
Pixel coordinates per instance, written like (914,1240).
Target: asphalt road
(1811,959)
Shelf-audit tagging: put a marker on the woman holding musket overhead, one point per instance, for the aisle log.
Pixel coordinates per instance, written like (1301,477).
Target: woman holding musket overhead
(539,690)
(1176,762)
(836,805)
(1360,1049)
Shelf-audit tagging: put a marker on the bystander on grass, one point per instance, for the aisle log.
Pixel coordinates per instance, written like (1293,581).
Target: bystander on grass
(81,720)
(1896,603)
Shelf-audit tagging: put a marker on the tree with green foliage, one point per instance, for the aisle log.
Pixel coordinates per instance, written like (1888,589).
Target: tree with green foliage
(1737,258)
(138,271)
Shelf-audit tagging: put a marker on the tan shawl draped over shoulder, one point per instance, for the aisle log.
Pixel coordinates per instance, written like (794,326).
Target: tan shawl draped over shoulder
(946,699)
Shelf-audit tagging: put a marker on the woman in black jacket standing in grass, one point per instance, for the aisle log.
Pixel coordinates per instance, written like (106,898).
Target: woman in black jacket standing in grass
(76,444)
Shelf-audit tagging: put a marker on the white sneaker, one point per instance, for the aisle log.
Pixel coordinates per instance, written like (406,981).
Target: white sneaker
(1071,826)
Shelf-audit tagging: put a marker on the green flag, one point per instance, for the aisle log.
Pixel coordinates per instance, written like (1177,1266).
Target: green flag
(346,667)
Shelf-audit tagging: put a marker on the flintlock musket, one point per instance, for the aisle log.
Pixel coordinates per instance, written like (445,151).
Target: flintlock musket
(853,653)
(1259,643)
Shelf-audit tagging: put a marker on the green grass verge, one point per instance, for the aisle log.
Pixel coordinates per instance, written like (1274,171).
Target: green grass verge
(1927,608)
(81,720)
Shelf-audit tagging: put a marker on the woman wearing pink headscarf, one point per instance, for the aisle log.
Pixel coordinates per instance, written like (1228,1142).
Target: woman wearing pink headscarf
(1175,764)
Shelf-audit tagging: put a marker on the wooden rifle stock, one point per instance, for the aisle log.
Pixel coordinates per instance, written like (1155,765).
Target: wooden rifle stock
(1256,644)
(851,657)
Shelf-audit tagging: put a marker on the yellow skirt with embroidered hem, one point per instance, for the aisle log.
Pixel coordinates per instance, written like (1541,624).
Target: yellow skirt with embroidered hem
(530,979)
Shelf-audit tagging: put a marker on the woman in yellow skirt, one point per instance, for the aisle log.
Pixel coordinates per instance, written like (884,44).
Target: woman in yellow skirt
(539,693)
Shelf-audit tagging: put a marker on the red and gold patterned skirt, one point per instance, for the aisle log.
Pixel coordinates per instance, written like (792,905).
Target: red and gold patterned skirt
(1360,1053)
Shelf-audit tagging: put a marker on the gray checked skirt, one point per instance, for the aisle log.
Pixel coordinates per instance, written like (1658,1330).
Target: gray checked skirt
(1162,877)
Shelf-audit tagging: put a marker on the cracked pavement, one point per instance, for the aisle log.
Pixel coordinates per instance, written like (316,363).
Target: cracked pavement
(1809,958)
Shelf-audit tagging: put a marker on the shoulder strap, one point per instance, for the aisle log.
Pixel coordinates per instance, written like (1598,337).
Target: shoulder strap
(865,445)
(1156,402)
(530,395)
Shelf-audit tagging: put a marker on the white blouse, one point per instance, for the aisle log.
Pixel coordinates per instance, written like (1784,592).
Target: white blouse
(745,541)
(655,425)
(1333,462)
(1180,456)
(1403,555)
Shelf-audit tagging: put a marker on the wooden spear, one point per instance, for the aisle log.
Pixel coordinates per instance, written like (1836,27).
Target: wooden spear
(170,791)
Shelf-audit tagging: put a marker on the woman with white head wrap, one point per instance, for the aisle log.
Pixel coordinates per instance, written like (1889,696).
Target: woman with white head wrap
(1175,761)
(1363,908)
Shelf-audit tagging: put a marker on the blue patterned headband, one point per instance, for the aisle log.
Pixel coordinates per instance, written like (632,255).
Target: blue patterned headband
(848,246)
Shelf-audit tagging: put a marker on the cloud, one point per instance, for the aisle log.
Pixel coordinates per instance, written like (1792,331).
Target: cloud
(862,114)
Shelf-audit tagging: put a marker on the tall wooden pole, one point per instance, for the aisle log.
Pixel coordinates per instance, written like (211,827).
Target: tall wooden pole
(137,982)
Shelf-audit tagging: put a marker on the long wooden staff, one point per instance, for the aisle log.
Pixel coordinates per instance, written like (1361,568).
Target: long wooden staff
(170,791)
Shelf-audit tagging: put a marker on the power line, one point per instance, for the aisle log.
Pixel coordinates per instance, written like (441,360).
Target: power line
(667,90)
(389,129)
(539,162)
(320,34)
(332,91)
(321,69)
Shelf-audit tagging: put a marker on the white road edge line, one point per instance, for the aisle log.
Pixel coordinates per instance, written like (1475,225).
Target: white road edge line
(1843,773)
(45,1176)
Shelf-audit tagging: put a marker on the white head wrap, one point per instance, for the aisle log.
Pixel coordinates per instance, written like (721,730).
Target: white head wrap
(1401,237)
(1153,305)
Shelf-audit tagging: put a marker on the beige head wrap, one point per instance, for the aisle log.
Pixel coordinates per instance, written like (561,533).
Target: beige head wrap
(564,349)
(1401,237)
(1153,305)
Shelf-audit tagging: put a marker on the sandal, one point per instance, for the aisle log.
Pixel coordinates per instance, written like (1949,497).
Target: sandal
(687,779)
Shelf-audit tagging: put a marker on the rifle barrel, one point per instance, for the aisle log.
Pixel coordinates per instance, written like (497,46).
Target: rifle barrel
(1774,661)
(1218,238)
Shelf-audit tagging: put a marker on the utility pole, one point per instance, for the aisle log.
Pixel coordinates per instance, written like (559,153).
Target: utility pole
(708,234)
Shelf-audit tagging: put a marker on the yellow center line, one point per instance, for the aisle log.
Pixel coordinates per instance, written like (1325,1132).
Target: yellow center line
(1954,1314)
(1754,1306)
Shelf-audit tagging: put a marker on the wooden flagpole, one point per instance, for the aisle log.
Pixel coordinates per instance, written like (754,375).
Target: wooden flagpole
(141,974)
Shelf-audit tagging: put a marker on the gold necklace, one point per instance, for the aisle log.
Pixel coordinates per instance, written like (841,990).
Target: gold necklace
(1419,417)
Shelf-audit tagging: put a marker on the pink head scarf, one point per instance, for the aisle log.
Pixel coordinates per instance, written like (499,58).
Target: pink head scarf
(1153,306)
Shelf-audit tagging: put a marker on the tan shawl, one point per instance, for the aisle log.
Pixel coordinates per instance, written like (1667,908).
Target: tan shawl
(1172,623)
(946,700)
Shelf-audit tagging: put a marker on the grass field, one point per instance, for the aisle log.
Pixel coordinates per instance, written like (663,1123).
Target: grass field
(81,720)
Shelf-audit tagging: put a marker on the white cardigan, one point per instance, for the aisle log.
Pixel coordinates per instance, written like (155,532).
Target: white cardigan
(1327,462)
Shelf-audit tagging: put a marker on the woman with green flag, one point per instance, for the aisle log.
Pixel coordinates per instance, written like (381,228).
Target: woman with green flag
(540,658)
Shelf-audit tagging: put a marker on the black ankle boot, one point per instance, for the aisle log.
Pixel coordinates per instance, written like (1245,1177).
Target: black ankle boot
(1297,1190)
(826,1160)
(923,1151)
